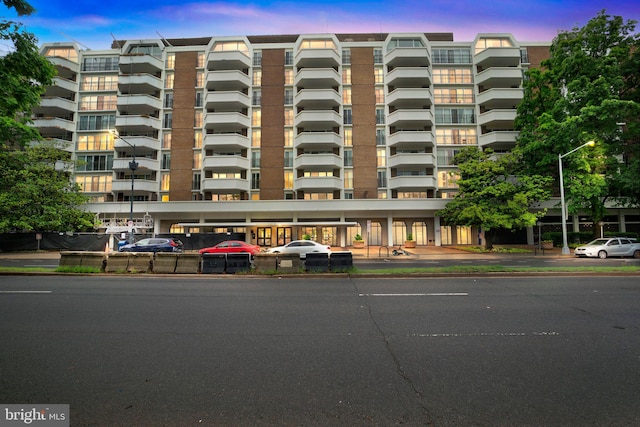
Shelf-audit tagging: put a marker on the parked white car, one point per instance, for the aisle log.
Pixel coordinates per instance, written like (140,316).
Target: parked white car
(609,246)
(300,247)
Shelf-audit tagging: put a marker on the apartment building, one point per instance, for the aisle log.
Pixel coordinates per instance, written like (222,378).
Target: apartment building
(329,135)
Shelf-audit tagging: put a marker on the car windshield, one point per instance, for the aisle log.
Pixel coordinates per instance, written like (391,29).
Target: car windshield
(598,242)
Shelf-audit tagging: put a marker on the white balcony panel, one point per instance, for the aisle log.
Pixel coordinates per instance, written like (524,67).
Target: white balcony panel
(143,144)
(498,139)
(310,118)
(318,139)
(497,119)
(144,164)
(409,77)
(138,104)
(222,140)
(408,138)
(228,60)
(500,98)
(229,100)
(139,83)
(498,57)
(317,78)
(318,98)
(228,80)
(410,118)
(64,66)
(499,77)
(54,106)
(50,125)
(225,185)
(229,119)
(317,58)
(140,63)
(408,57)
(140,186)
(410,98)
(318,161)
(411,159)
(137,124)
(411,183)
(327,183)
(62,88)
(225,163)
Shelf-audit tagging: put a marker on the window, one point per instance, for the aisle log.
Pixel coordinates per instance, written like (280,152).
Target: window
(109,63)
(197,138)
(381,138)
(447,179)
(94,163)
(382,179)
(288,180)
(168,100)
(379,116)
(197,119)
(346,56)
(408,42)
(455,136)
(94,83)
(168,120)
(97,122)
(256,138)
(378,75)
(94,184)
(453,96)
(148,49)
(288,97)
(379,95)
(317,44)
(288,57)
(348,137)
(102,142)
(257,58)
(347,119)
(348,179)
(346,76)
(197,178)
(381,154)
(230,46)
(166,140)
(288,116)
(346,95)
(197,160)
(452,76)
(199,98)
(62,52)
(256,117)
(200,60)
(255,159)
(288,77)
(288,158)
(524,55)
(445,157)
(199,79)
(166,161)
(98,102)
(348,157)
(451,56)
(454,115)
(256,97)
(170,62)
(255,180)
(377,56)
(165,181)
(488,42)
(257,77)
(288,137)
(168,81)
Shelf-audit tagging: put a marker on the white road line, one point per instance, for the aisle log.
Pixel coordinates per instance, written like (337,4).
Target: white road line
(25,292)
(443,294)
(488,334)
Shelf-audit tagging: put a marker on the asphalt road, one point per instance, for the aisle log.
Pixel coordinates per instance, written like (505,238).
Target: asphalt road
(235,351)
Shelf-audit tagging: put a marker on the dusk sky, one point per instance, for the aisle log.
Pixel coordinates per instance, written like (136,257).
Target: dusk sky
(94,24)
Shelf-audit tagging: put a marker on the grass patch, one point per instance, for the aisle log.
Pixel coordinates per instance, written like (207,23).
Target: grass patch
(25,270)
(495,250)
(469,269)
(77,269)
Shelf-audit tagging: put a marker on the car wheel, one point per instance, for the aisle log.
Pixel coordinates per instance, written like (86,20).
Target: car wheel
(636,254)
(602,254)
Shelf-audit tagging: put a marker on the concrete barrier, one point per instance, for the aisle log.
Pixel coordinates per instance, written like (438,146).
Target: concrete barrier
(188,263)
(288,263)
(117,262)
(265,263)
(94,260)
(70,259)
(165,262)
(139,262)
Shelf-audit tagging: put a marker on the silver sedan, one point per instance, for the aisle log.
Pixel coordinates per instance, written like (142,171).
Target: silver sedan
(607,247)
(301,247)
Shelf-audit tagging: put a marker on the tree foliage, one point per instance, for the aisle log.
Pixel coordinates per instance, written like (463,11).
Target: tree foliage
(586,90)
(493,195)
(36,192)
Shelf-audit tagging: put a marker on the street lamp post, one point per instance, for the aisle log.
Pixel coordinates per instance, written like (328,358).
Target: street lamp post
(133,165)
(565,244)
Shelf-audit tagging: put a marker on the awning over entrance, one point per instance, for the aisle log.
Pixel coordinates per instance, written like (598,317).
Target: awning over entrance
(187,225)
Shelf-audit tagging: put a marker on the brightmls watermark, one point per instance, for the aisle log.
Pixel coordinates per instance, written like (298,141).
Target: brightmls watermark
(36,415)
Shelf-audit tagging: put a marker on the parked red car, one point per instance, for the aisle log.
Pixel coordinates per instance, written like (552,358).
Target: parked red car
(231,246)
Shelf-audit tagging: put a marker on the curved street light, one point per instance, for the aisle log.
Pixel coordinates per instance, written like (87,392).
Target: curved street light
(565,244)
(133,165)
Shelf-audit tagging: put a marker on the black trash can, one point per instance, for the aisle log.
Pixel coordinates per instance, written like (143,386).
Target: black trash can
(214,263)
(317,262)
(238,263)
(341,261)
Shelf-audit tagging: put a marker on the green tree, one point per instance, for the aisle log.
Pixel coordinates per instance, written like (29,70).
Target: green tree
(492,195)
(585,91)
(36,192)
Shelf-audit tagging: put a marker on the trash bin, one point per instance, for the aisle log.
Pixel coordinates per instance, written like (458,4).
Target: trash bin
(213,263)
(238,263)
(317,262)
(341,261)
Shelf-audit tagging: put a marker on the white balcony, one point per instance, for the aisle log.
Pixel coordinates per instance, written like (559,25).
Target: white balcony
(144,164)
(318,139)
(409,138)
(49,126)
(226,140)
(318,161)
(228,80)
(412,183)
(137,124)
(497,119)
(324,118)
(140,63)
(232,100)
(413,98)
(66,68)
(410,118)
(498,57)
(225,163)
(224,185)
(142,143)
(320,99)
(498,140)
(62,88)
(327,183)
(500,98)
(140,186)
(317,78)
(499,77)
(317,58)
(227,120)
(139,83)
(142,104)
(54,106)
(409,77)
(411,159)
(228,60)
(408,57)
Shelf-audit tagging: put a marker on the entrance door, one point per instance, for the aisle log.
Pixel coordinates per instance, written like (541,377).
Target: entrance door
(264,237)
(284,235)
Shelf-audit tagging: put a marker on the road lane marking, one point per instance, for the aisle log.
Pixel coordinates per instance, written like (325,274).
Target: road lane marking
(488,334)
(439,294)
(25,292)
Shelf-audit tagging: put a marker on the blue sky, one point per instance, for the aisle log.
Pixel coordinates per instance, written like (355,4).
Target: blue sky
(92,23)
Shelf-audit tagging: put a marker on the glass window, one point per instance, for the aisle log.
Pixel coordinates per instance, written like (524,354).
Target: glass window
(168,100)
(348,178)
(255,158)
(256,138)
(98,102)
(454,115)
(256,117)
(288,57)
(379,95)
(255,180)
(166,161)
(168,81)
(382,157)
(382,179)
(197,118)
(348,137)
(346,56)
(347,119)
(346,95)
(456,136)
(97,122)
(256,97)
(100,142)
(377,56)
(379,75)
(170,61)
(380,116)
(100,63)
(288,137)
(288,77)
(346,76)
(288,96)
(318,44)
(164,184)
(230,46)
(381,138)
(451,56)
(257,77)
(200,60)
(257,58)
(167,122)
(94,83)
(197,138)
(288,158)
(488,42)
(199,98)
(288,180)
(452,76)
(166,140)
(348,157)
(453,96)
(200,79)
(288,116)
